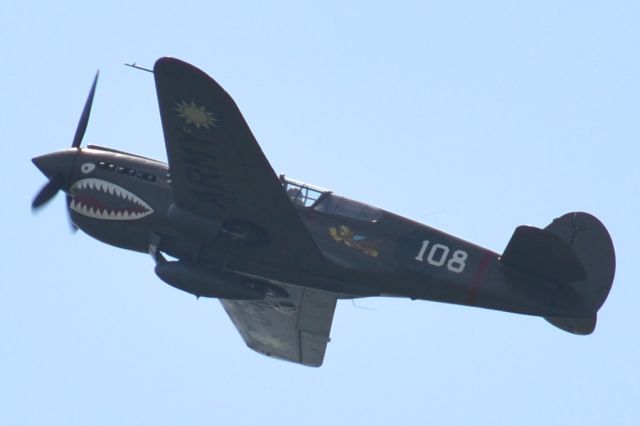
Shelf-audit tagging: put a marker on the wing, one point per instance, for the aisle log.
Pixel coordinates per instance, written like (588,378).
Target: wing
(218,170)
(294,329)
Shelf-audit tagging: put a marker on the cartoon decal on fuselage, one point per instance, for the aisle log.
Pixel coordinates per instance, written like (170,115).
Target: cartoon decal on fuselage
(359,242)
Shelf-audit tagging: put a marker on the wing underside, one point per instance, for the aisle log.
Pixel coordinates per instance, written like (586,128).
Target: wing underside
(295,329)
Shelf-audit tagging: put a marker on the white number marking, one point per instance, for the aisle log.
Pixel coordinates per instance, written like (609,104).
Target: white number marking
(438,256)
(444,252)
(420,255)
(457,262)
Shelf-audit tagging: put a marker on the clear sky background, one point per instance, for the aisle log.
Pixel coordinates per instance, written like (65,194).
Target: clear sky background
(473,117)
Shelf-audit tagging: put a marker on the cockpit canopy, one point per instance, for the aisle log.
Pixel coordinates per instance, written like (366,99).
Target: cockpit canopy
(302,194)
(323,201)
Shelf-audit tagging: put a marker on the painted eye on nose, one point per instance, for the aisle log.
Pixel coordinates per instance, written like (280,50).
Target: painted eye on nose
(87,168)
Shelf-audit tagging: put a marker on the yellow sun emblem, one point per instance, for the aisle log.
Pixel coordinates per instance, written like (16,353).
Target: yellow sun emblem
(195,114)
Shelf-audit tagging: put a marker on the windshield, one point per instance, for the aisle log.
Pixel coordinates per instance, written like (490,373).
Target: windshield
(302,194)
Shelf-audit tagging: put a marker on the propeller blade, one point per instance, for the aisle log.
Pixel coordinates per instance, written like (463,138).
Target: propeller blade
(84,118)
(47,192)
(73,226)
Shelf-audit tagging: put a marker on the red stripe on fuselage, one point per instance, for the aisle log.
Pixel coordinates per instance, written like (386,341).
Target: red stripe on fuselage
(479,277)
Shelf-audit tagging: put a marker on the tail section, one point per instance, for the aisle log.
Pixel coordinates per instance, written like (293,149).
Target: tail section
(576,253)
(591,243)
(580,326)
(544,255)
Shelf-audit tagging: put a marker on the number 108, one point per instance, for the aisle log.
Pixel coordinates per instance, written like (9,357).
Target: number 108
(439,256)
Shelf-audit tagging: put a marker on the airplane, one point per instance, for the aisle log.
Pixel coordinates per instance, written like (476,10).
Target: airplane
(278,253)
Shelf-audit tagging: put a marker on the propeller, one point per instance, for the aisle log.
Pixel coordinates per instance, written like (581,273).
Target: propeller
(58,178)
(48,191)
(84,118)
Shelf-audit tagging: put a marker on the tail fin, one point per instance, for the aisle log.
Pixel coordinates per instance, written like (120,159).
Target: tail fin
(590,241)
(576,252)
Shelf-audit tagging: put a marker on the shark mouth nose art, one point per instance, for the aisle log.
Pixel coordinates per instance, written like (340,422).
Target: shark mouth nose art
(99,199)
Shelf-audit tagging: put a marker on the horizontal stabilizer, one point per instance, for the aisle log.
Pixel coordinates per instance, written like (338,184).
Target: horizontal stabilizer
(542,254)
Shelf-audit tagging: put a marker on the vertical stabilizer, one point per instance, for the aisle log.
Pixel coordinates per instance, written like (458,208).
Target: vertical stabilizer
(589,240)
(575,253)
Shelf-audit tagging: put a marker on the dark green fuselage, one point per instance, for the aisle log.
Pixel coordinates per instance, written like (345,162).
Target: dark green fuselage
(371,252)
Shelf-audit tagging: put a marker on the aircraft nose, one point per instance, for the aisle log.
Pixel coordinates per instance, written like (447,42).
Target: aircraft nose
(57,163)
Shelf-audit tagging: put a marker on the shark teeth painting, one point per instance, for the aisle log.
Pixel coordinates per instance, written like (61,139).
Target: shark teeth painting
(99,199)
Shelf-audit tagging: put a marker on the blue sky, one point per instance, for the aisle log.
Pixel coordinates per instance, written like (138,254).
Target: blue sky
(473,117)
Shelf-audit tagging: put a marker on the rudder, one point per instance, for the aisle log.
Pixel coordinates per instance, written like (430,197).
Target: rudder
(591,243)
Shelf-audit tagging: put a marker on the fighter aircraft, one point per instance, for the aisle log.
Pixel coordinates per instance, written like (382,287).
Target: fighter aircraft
(279,253)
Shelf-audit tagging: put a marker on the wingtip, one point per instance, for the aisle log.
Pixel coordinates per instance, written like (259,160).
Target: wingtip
(171,64)
(167,61)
